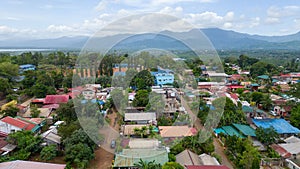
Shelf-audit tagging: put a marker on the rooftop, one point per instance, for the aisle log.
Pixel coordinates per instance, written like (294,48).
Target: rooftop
(187,157)
(18,164)
(129,157)
(281,126)
(176,131)
(56,99)
(140,116)
(245,129)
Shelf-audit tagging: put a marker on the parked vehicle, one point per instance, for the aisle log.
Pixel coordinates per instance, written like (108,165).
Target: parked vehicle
(113,144)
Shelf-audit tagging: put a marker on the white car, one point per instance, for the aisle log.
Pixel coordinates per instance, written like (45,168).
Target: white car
(273,113)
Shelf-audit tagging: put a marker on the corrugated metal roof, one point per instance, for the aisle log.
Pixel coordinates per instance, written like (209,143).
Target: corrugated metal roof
(129,157)
(18,164)
(281,126)
(245,129)
(56,99)
(140,116)
(232,131)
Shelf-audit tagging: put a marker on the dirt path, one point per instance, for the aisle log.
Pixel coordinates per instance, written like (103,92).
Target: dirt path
(103,160)
(220,151)
(197,124)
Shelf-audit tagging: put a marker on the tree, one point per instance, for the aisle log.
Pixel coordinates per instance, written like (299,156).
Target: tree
(35,112)
(48,152)
(147,165)
(266,136)
(295,116)
(172,165)
(79,154)
(141,98)
(5,86)
(266,102)
(9,70)
(257,97)
(10,111)
(66,112)
(25,141)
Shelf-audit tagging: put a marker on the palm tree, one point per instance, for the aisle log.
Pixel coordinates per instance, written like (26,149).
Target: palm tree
(147,165)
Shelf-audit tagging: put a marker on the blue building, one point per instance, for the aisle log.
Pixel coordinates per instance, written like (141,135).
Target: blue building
(163,76)
(23,68)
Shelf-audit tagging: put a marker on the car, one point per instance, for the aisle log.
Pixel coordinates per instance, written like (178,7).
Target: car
(113,144)
(273,113)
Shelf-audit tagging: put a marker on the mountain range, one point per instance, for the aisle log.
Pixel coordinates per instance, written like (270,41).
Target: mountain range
(220,39)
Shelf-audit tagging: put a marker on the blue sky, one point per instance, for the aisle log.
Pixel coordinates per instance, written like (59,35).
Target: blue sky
(56,18)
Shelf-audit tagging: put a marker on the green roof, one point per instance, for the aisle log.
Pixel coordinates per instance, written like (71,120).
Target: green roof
(254,85)
(265,77)
(129,157)
(232,131)
(245,129)
(247,109)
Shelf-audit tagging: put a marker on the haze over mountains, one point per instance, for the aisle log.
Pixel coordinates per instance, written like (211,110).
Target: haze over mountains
(221,39)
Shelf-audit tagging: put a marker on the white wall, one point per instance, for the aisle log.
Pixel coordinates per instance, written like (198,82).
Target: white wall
(7,128)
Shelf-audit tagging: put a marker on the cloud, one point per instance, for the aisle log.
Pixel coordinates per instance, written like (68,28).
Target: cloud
(279,12)
(270,20)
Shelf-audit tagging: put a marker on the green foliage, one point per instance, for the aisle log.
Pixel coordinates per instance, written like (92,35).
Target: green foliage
(10,111)
(245,62)
(242,152)
(66,112)
(79,154)
(65,131)
(5,85)
(8,70)
(172,165)
(261,68)
(231,114)
(172,157)
(266,136)
(195,144)
(34,112)
(147,165)
(48,152)
(295,116)
(141,98)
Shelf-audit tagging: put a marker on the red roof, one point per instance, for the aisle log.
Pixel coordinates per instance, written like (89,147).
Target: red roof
(236,86)
(56,99)
(206,167)
(18,123)
(51,106)
(283,153)
(38,101)
(234,96)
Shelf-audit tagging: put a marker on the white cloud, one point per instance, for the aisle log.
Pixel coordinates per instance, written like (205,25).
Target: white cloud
(279,12)
(254,22)
(59,28)
(270,20)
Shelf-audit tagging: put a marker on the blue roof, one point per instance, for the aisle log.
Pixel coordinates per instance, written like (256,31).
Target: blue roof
(254,85)
(119,73)
(281,126)
(26,66)
(263,77)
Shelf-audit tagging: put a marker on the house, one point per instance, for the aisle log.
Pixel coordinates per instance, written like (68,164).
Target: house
(26,67)
(89,94)
(176,131)
(127,158)
(44,112)
(140,118)
(281,126)
(56,99)
(206,167)
(19,164)
(163,77)
(9,125)
(187,157)
(208,160)
(137,143)
(128,130)
(50,137)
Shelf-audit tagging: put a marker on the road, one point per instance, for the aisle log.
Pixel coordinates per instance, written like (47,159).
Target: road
(197,124)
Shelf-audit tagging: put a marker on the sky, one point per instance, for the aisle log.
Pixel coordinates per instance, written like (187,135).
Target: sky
(38,19)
